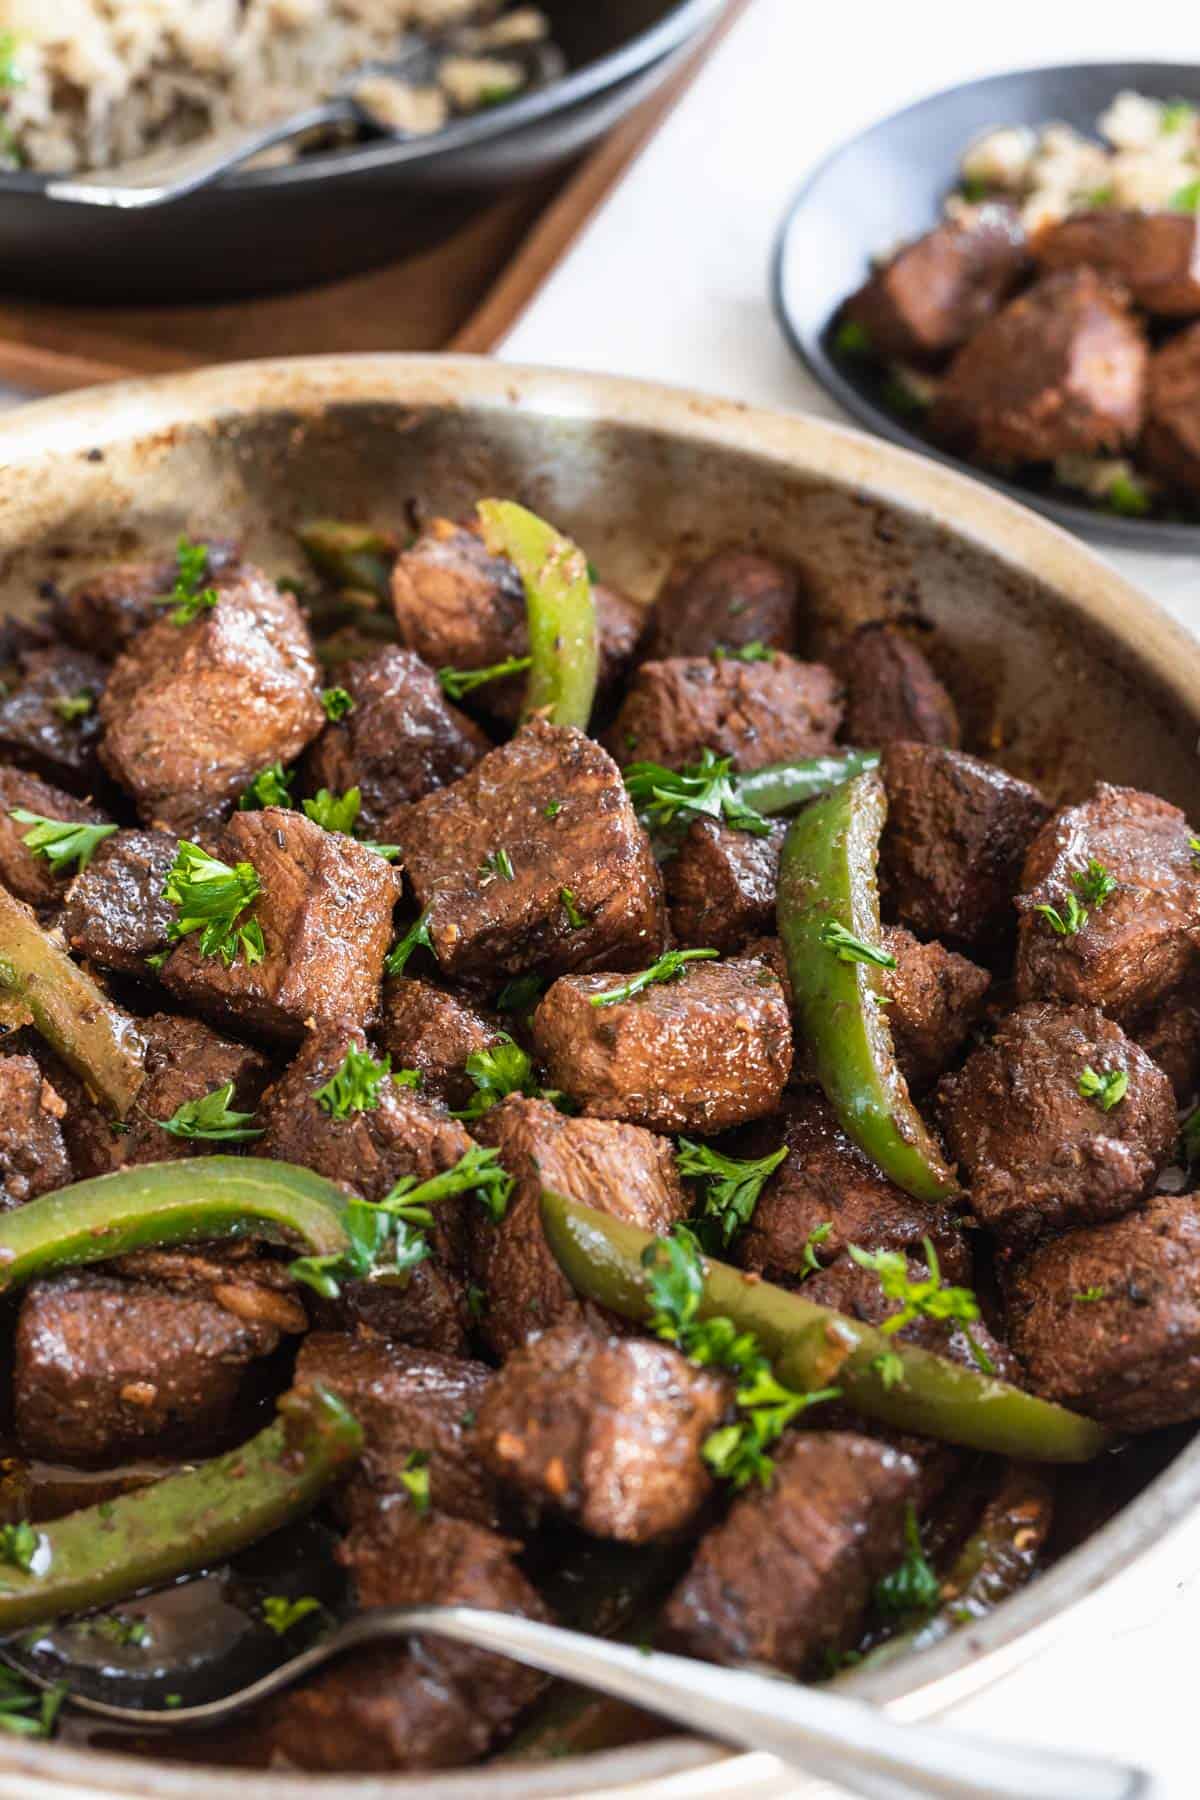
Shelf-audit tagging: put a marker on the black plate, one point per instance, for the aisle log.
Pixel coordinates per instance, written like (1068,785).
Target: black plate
(328,215)
(888,184)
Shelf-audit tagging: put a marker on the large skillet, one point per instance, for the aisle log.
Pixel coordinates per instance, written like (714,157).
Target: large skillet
(1065,670)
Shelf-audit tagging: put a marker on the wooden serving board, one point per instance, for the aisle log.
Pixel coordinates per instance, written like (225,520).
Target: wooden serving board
(464,294)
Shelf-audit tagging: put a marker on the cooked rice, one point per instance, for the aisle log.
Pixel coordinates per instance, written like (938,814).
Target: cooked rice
(99,82)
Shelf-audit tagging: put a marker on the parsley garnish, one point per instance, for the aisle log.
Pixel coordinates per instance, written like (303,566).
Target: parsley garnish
(24,1710)
(337,702)
(210,898)
(19,1545)
(1107,1087)
(519,995)
(414,1479)
(457,682)
(705,789)
(890,1369)
(334,812)
(187,598)
(280,1614)
(912,1587)
(356,1087)
(754,651)
(1089,1296)
(118,1628)
(852,339)
(71,707)
(498,863)
(811,1263)
(502,1069)
(271,787)
(61,841)
(1175,115)
(575,918)
(927,1299)
(1187,198)
(668,968)
(849,948)
(1066,923)
(1127,496)
(209,1119)
(552,809)
(732,1187)
(1194,847)
(1093,884)
(416,936)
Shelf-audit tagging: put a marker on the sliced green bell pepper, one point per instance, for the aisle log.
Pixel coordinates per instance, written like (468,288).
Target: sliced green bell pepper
(560,608)
(782,787)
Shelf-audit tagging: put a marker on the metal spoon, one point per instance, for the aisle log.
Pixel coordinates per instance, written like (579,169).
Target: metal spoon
(821,1733)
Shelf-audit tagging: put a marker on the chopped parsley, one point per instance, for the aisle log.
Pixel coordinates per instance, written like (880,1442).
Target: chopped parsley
(502,1069)
(890,1369)
(849,948)
(417,936)
(73,707)
(1175,115)
(187,598)
(19,1545)
(668,968)
(356,1087)
(1194,847)
(1093,884)
(552,809)
(666,797)
(279,1613)
(754,651)
(117,1627)
(271,787)
(1070,920)
(912,1588)
(209,1120)
(811,1263)
(852,339)
(1089,1296)
(457,682)
(497,863)
(1187,198)
(922,1299)
(731,1191)
(26,1711)
(338,702)
(210,897)
(1127,496)
(414,1479)
(575,918)
(61,841)
(334,812)
(1107,1087)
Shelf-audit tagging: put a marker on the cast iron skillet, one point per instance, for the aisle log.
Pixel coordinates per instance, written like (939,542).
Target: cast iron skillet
(888,184)
(351,209)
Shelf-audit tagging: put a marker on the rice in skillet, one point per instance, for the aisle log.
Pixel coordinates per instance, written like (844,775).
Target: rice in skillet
(90,83)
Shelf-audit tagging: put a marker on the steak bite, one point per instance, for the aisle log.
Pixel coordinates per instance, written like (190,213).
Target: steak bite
(1040,1151)
(1141,938)
(1170,443)
(936,292)
(32,878)
(115,913)
(407,1401)
(1170,1036)
(400,740)
(956,836)
(892,693)
(755,712)
(849,1288)
(616,1168)
(103,611)
(1061,370)
(787,1577)
(721,884)
(325,910)
(710,1049)
(607,1431)
(426,1028)
(105,1369)
(1107,1320)
(491,859)
(935,998)
(1156,255)
(730,599)
(33,1156)
(49,722)
(193,712)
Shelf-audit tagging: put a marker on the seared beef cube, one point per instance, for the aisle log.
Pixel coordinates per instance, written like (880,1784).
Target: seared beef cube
(710,1049)
(956,836)
(325,910)
(491,859)
(1170,1036)
(432,1704)
(1156,255)
(755,712)
(401,739)
(936,996)
(32,878)
(729,600)
(428,1311)
(1061,370)
(424,1027)
(1108,1320)
(617,1168)
(105,1369)
(33,1156)
(461,608)
(406,1401)
(721,884)
(827,1194)
(858,1292)
(936,292)
(1037,1152)
(103,611)
(192,712)
(44,723)
(606,1431)
(1171,441)
(788,1575)
(1141,938)
(237,1276)
(115,913)
(892,694)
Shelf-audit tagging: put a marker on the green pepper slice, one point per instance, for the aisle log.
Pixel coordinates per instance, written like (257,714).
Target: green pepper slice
(782,787)
(185,1522)
(96,1039)
(155,1204)
(560,608)
(350,556)
(810,1346)
(827,879)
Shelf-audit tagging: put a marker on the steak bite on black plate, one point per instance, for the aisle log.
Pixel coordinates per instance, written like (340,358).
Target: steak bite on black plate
(721,884)
(1060,1120)
(935,292)
(1156,255)
(731,599)
(115,914)
(707,1050)
(607,1431)
(534,860)
(1125,860)
(755,712)
(892,693)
